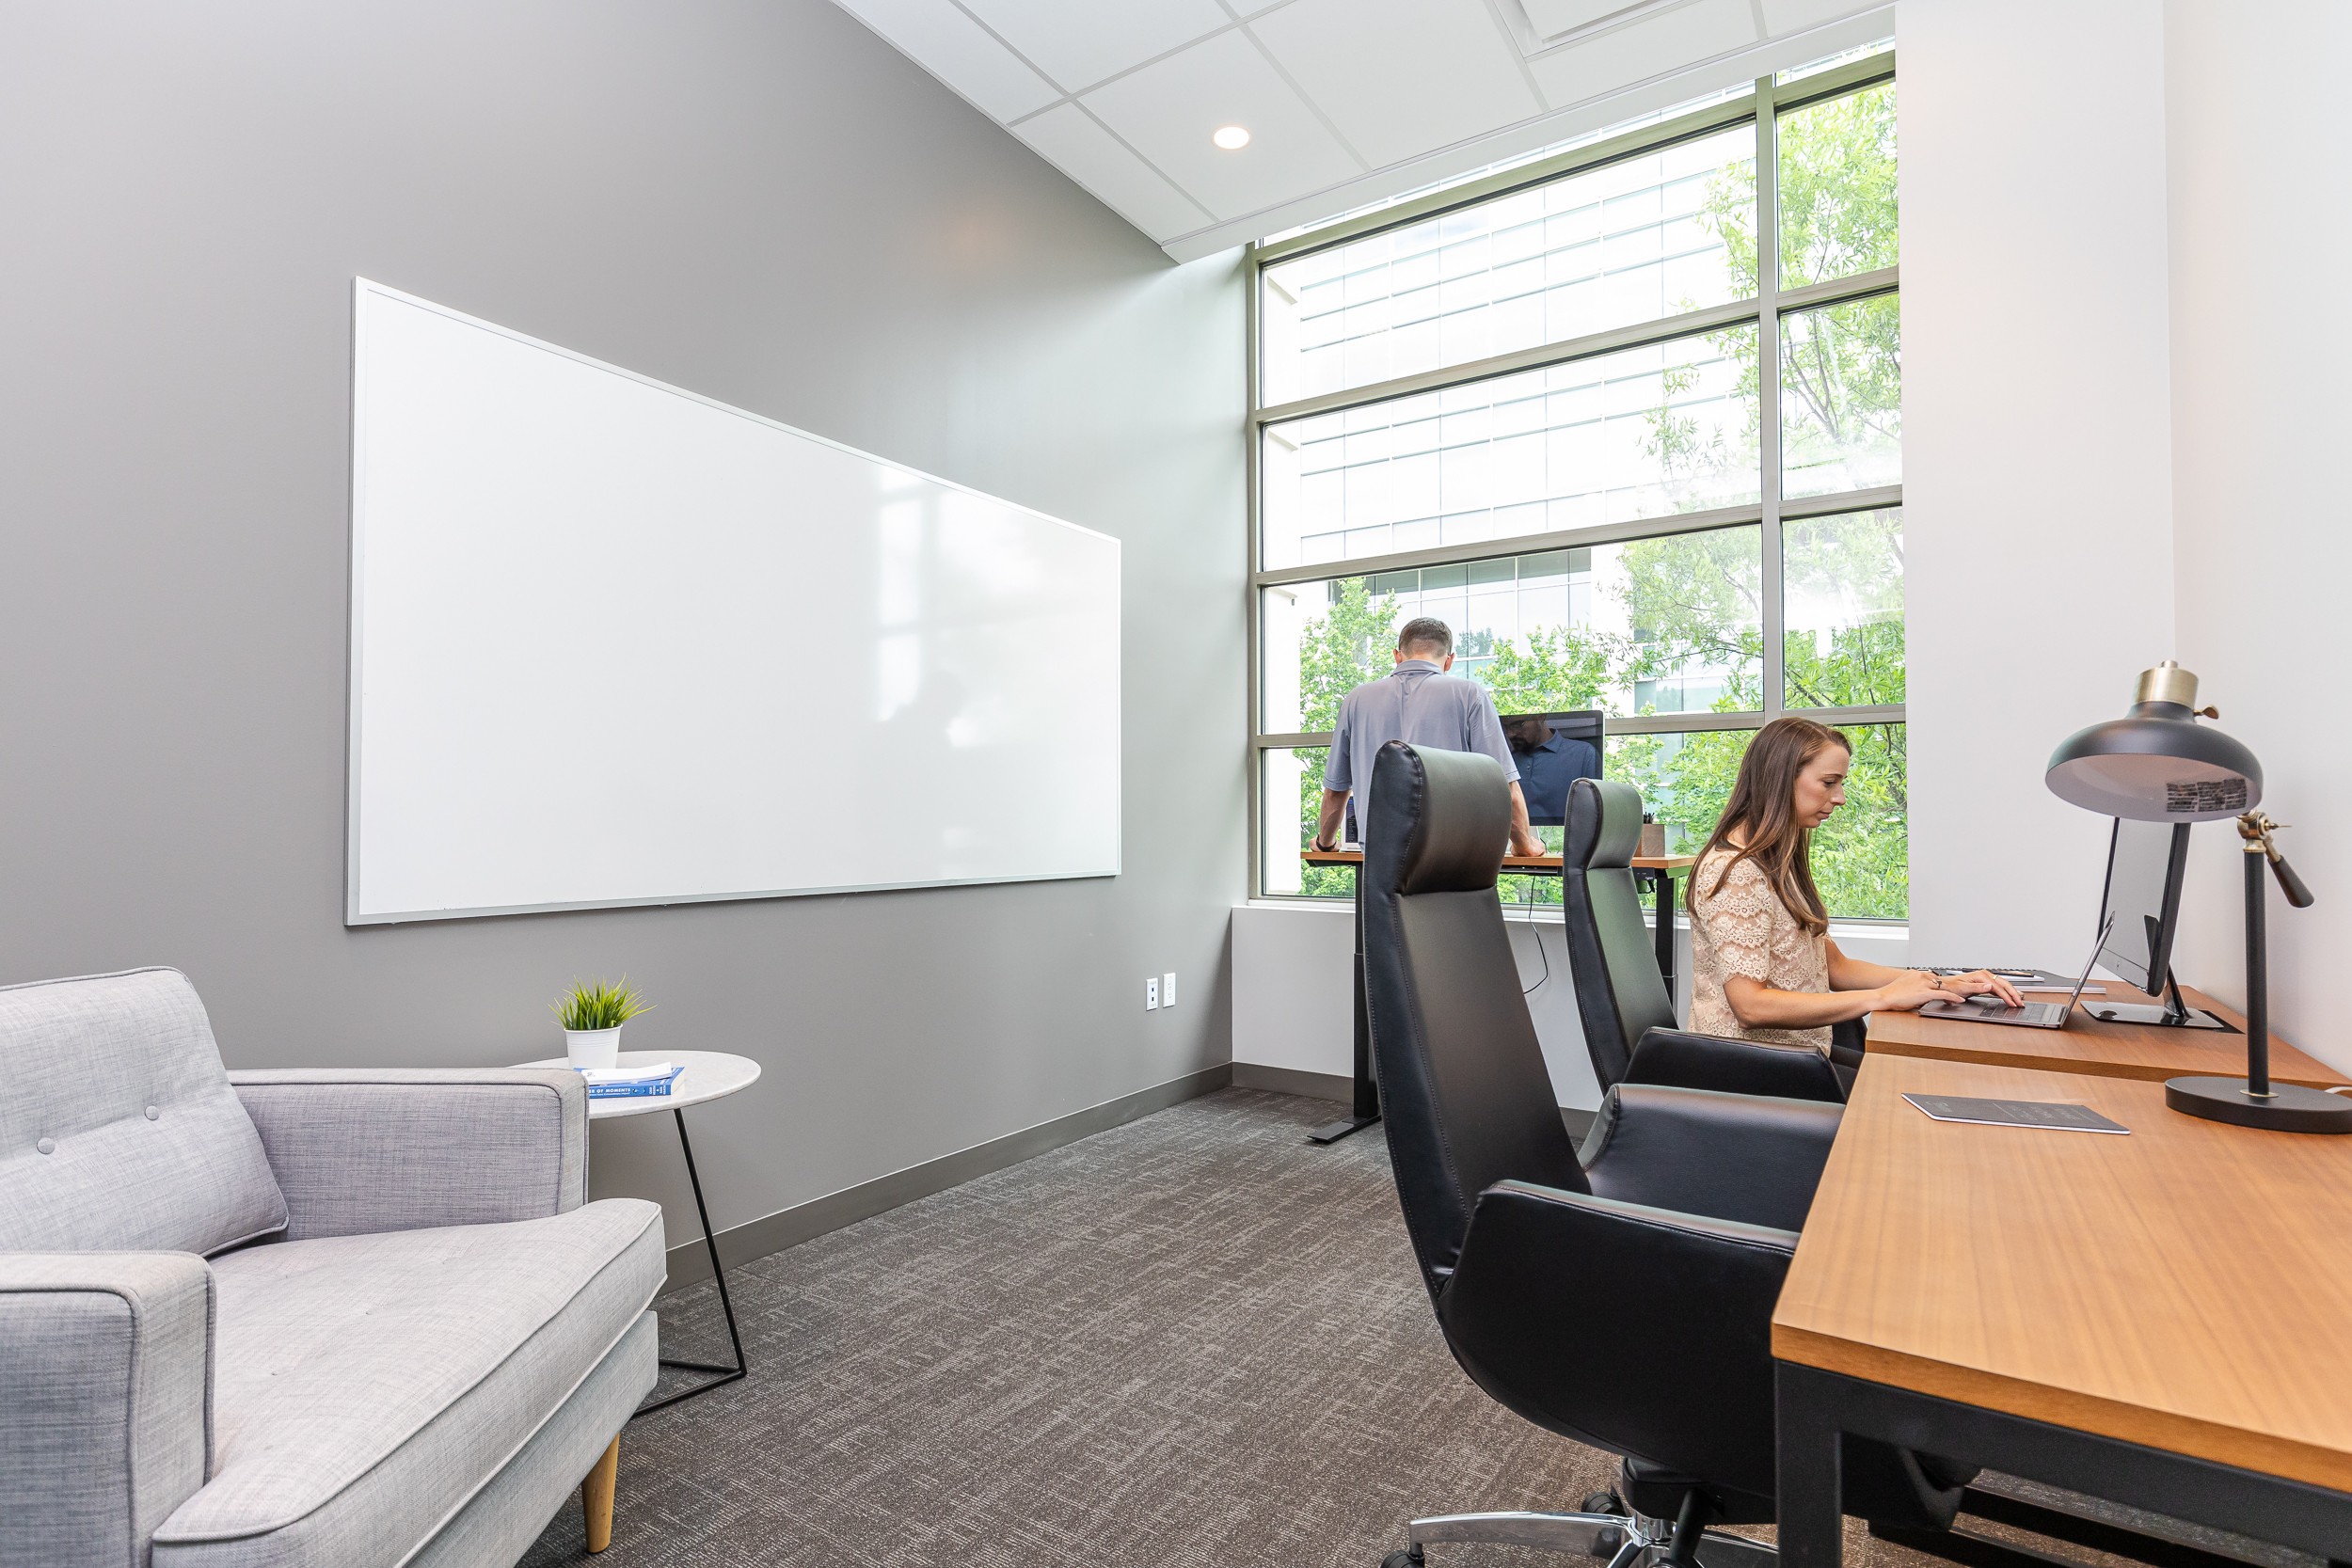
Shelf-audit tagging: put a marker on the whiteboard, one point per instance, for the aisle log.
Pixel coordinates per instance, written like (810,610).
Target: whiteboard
(616,644)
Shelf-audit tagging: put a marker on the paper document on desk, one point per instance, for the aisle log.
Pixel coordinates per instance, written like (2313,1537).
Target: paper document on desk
(2057,1115)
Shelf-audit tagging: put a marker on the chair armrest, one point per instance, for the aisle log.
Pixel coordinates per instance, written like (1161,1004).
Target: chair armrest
(1733,1067)
(1653,1328)
(361,1151)
(105,1374)
(1727,1156)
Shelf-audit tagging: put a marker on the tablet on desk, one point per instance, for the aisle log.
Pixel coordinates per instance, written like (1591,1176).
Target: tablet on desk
(2056,1115)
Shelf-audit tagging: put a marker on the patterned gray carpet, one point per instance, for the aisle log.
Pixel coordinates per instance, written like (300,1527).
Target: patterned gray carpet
(1193,1341)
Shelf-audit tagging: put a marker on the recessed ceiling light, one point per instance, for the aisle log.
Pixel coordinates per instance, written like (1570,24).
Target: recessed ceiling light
(1231,137)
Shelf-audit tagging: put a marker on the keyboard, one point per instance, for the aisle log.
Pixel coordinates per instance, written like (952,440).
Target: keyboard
(2019,973)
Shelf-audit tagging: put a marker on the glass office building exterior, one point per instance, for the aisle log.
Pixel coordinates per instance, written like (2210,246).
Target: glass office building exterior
(1629,418)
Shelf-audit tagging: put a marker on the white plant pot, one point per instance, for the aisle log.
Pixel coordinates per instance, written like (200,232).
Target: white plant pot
(592,1047)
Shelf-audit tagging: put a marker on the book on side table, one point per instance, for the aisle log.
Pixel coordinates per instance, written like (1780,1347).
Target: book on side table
(626,1083)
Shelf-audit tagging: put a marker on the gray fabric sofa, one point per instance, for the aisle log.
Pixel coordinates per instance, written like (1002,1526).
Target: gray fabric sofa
(358,1318)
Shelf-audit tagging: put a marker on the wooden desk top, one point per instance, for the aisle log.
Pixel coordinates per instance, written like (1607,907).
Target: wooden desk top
(1510,863)
(2088,1045)
(2187,1288)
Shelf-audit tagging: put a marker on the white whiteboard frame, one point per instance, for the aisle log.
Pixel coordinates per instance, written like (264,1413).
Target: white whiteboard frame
(361,288)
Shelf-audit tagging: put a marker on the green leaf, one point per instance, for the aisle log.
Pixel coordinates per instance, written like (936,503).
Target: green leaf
(598,1004)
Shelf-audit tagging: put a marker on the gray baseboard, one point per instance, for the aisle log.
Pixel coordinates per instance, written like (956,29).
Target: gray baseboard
(1332,1086)
(1290,1080)
(689,1263)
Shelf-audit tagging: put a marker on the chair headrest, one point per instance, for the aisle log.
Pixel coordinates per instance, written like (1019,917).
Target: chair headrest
(1604,824)
(1439,820)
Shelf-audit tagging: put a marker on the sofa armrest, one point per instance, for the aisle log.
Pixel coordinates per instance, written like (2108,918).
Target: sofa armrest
(1726,1156)
(1679,1057)
(361,1151)
(105,1376)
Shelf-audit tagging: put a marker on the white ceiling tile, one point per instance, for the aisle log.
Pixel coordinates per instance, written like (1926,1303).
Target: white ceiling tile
(958,50)
(1788,16)
(1079,43)
(1167,110)
(1401,77)
(1552,18)
(1066,137)
(1644,49)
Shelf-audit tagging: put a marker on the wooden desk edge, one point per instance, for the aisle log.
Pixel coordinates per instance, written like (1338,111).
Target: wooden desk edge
(2153,1429)
(2017,1054)
(2141,1071)
(1510,863)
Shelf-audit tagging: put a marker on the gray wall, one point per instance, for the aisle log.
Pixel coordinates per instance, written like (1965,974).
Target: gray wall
(757,199)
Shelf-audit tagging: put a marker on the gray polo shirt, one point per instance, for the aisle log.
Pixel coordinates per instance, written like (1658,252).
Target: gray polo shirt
(1420,705)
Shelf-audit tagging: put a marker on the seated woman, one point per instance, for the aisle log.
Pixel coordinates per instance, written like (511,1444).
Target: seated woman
(1762,964)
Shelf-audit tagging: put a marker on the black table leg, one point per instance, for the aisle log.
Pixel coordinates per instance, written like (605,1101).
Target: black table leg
(1812,1529)
(1366,1109)
(1816,1411)
(726,1373)
(1662,936)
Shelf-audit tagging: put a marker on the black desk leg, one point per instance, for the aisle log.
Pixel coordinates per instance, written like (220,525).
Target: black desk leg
(1812,1529)
(1816,1411)
(1663,938)
(726,1373)
(1366,1109)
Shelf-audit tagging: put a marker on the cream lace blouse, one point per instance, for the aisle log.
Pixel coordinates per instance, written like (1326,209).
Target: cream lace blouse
(1745,929)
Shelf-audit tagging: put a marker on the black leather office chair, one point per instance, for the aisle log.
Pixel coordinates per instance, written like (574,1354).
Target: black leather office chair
(1623,1298)
(1621,999)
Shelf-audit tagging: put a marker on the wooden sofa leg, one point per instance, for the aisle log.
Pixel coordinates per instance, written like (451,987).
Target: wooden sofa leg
(595,1497)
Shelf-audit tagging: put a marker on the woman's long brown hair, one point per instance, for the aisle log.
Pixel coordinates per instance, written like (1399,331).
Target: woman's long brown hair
(1763,810)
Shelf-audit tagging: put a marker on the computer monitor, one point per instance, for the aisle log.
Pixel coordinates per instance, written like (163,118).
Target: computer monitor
(1553,749)
(2140,910)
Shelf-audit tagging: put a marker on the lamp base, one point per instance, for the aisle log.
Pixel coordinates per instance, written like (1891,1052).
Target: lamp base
(2289,1107)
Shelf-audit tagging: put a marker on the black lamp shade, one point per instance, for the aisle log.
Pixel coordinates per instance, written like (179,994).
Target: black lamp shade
(2152,769)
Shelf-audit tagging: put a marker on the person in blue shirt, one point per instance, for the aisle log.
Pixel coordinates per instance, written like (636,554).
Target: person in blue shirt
(1421,705)
(1548,762)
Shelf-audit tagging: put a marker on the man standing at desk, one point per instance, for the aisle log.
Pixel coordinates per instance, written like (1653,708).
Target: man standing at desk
(1421,705)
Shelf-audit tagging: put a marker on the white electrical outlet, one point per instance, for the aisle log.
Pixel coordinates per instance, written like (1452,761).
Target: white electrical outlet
(1167,991)
(1151,993)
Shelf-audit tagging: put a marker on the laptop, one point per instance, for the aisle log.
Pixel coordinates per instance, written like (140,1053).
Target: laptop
(2030,1014)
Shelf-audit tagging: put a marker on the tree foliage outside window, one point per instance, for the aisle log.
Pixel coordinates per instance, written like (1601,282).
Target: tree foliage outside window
(1694,602)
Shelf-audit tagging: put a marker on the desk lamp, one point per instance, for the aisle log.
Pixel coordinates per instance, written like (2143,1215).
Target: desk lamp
(2157,764)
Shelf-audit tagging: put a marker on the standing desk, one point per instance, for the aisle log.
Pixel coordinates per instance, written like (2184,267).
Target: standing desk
(1364,1107)
(2086,1044)
(2159,1320)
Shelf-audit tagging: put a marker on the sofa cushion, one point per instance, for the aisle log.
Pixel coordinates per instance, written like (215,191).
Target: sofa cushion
(118,1132)
(366,1386)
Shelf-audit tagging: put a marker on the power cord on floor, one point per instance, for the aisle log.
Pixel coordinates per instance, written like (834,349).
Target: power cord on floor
(1527,918)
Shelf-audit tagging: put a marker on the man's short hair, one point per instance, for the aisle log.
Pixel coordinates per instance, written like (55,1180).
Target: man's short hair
(1425,632)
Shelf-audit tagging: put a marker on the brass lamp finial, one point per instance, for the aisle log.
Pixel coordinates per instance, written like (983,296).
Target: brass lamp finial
(2167,683)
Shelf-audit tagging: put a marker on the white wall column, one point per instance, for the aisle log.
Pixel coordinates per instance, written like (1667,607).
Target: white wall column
(2260,160)
(2036,473)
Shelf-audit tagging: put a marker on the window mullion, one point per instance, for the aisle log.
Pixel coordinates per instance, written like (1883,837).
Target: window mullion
(1768,393)
(1253,617)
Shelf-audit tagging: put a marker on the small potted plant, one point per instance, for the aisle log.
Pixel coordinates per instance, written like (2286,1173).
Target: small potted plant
(592,1016)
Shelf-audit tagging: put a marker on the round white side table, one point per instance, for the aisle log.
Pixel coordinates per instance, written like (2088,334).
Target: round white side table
(708,1076)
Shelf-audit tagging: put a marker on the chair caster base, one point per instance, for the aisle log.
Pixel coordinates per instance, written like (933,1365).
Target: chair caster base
(1612,1534)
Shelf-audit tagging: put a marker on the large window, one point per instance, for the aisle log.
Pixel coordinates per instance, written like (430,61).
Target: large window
(1629,420)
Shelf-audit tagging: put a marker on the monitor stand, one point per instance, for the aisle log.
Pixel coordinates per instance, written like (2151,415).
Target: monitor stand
(2171,1013)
